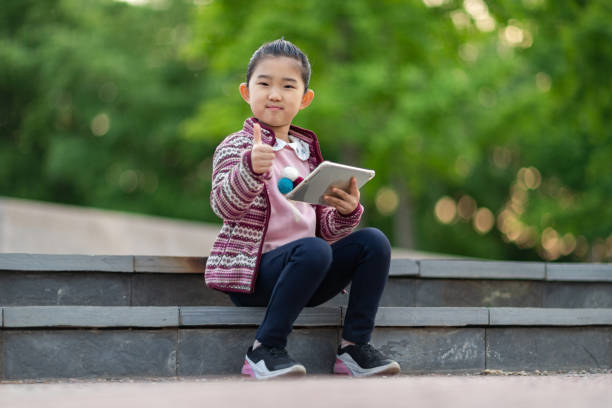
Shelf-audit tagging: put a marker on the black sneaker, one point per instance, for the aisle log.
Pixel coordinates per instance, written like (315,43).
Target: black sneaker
(361,360)
(267,362)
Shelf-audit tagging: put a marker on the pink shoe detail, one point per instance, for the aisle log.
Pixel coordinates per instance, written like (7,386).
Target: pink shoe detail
(340,368)
(247,370)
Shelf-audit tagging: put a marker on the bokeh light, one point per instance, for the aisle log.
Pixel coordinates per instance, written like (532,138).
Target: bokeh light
(100,124)
(446,210)
(513,35)
(483,220)
(466,207)
(434,3)
(460,19)
(528,238)
(529,177)
(480,13)
(551,244)
(510,225)
(386,201)
(568,244)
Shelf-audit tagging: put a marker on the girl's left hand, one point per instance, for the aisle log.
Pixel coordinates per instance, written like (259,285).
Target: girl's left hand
(345,203)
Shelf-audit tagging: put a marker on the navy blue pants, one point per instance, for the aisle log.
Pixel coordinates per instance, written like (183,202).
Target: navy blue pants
(309,272)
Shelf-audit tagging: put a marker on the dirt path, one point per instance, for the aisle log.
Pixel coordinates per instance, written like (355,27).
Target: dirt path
(593,390)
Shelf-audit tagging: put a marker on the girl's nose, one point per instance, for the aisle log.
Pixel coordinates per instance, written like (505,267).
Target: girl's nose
(274,95)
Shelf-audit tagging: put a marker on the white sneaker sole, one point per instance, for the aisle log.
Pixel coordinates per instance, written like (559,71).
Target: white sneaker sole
(260,371)
(345,365)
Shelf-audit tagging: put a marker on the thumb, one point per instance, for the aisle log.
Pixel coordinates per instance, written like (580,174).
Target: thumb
(353,187)
(257,134)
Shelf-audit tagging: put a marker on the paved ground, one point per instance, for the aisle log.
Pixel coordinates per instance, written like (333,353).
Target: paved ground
(593,390)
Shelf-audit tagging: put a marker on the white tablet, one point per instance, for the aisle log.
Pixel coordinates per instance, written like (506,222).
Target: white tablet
(327,175)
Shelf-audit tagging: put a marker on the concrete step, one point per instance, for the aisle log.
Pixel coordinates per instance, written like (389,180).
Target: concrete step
(97,280)
(108,342)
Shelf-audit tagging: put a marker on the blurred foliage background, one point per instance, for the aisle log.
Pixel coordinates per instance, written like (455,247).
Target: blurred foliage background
(489,123)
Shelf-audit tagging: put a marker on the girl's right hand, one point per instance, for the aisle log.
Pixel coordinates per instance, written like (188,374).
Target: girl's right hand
(262,155)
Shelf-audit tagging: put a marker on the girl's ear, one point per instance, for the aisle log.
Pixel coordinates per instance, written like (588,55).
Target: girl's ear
(307,99)
(244,92)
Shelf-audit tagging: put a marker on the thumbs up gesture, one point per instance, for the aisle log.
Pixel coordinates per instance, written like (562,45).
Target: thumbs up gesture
(262,155)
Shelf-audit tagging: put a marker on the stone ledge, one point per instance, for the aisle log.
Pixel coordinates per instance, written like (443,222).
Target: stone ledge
(404,267)
(169,264)
(548,348)
(69,353)
(431,316)
(90,316)
(460,269)
(511,316)
(44,262)
(400,267)
(252,316)
(579,272)
(230,316)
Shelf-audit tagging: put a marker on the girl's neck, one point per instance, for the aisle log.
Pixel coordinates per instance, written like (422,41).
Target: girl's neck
(282,136)
(281,132)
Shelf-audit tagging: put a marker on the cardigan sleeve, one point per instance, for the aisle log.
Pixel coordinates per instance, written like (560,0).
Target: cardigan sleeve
(332,226)
(234,183)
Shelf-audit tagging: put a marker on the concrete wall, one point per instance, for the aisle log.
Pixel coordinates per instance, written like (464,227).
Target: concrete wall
(48,228)
(37,227)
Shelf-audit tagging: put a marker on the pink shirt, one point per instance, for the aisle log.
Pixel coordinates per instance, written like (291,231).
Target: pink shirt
(289,220)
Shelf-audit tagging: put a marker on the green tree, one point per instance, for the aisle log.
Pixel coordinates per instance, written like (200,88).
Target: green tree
(451,100)
(93,95)
(488,123)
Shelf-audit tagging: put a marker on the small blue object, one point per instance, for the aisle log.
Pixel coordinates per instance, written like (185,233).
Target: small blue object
(285,185)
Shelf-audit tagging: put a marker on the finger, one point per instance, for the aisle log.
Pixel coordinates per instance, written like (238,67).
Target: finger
(353,187)
(354,190)
(336,202)
(263,169)
(263,155)
(340,193)
(265,163)
(352,194)
(341,206)
(257,134)
(263,148)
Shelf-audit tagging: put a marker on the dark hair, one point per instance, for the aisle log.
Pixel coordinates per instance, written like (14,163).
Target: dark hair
(280,48)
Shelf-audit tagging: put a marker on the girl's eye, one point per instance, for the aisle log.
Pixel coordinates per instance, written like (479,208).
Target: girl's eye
(262,83)
(289,86)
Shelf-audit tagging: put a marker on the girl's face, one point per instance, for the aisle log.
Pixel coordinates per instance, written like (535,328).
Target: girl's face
(276,93)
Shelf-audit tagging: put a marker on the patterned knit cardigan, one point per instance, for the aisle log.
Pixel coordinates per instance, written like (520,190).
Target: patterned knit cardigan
(239,197)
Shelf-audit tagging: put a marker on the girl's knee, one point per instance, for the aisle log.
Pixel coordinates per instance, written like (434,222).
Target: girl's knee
(376,241)
(317,253)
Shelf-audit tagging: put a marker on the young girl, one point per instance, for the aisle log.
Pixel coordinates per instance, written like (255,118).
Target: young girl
(290,255)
